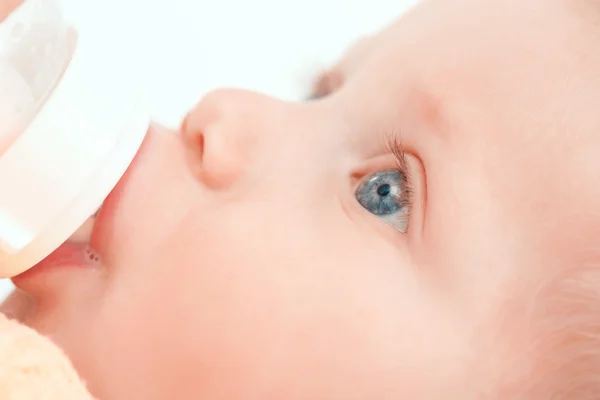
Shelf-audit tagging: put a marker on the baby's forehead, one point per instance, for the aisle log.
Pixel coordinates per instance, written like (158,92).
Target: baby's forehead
(482,32)
(469,49)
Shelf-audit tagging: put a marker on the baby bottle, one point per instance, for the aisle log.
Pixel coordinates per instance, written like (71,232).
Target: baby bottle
(71,122)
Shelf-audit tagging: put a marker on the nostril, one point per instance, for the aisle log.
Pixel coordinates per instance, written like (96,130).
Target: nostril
(200,146)
(195,145)
(197,142)
(194,137)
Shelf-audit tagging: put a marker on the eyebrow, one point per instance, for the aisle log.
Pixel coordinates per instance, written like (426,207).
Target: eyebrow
(325,84)
(586,10)
(429,107)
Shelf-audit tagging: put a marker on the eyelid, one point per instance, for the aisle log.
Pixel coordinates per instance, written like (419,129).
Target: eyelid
(394,144)
(418,192)
(409,160)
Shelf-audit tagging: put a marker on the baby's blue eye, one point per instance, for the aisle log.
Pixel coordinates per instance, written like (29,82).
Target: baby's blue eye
(385,194)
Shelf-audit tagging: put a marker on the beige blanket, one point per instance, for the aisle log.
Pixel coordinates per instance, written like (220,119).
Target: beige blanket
(33,368)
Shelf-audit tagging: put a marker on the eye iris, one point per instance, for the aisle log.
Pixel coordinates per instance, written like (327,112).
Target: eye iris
(381,193)
(384,190)
(385,195)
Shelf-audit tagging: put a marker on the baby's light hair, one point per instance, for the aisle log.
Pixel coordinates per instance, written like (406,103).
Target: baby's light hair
(551,347)
(566,319)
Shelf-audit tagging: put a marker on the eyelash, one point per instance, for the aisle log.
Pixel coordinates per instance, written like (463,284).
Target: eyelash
(395,147)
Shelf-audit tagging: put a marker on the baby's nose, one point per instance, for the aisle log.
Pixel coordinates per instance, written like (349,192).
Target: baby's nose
(224,132)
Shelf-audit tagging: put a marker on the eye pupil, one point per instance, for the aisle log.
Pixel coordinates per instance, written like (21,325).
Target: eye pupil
(384,190)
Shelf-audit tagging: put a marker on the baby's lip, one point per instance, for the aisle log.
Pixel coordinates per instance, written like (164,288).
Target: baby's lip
(104,219)
(60,272)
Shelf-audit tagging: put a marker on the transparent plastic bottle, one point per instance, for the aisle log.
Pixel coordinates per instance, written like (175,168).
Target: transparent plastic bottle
(71,121)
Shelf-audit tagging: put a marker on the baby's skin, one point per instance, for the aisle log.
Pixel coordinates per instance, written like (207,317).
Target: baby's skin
(7,6)
(425,228)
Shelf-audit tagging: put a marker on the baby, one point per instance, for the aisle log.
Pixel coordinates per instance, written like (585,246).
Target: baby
(425,228)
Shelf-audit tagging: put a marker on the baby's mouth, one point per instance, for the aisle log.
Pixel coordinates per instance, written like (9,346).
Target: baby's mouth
(64,270)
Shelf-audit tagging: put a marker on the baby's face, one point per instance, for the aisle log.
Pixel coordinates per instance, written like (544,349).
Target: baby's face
(381,242)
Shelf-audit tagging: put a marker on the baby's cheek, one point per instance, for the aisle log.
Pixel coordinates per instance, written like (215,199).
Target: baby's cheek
(273,301)
(309,314)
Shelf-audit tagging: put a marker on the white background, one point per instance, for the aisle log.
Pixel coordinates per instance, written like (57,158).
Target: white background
(184,48)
